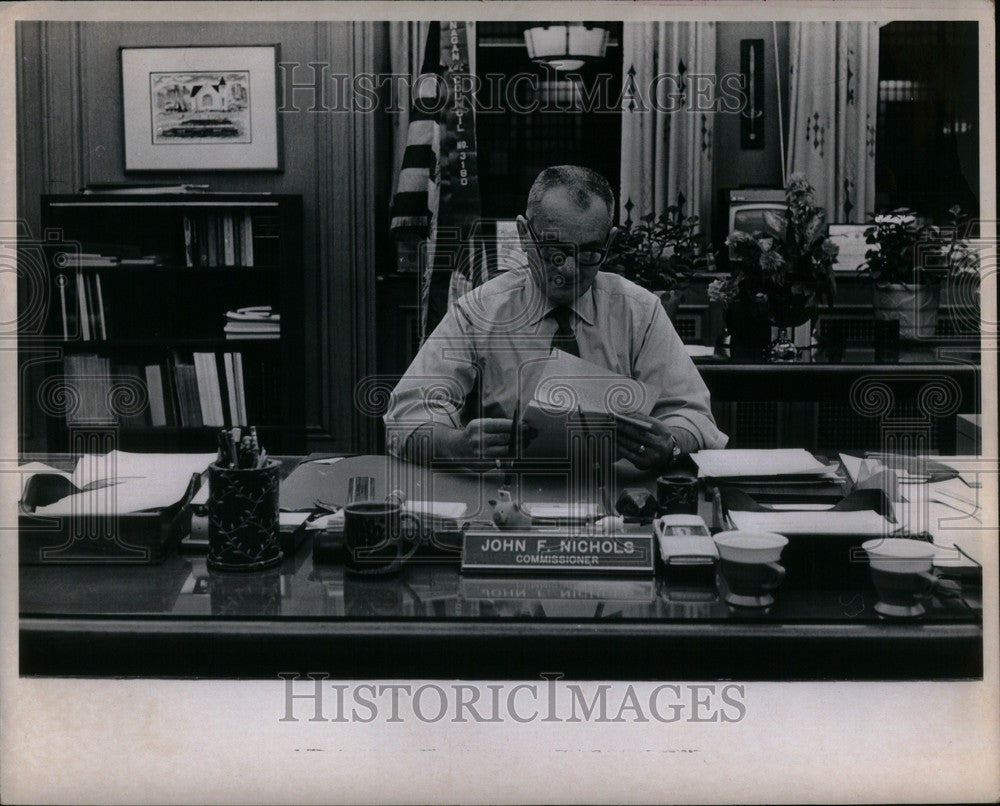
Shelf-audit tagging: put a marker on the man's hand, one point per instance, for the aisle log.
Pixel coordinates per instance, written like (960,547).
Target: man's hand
(488,438)
(646,449)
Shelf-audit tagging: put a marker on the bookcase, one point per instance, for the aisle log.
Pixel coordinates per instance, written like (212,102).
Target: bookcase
(174,314)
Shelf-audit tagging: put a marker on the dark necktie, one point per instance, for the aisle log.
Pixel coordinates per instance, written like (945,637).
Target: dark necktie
(564,338)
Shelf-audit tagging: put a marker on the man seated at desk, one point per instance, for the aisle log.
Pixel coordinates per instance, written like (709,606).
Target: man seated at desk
(560,299)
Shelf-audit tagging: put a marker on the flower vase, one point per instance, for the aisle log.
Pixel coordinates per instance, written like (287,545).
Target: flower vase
(749,332)
(783,349)
(914,305)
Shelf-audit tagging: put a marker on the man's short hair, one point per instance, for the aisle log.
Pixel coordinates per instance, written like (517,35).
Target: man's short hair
(582,184)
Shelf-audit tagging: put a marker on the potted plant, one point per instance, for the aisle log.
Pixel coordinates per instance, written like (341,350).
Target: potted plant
(779,277)
(662,253)
(907,262)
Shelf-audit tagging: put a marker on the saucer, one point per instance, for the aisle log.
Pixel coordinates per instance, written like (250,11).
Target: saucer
(738,600)
(899,611)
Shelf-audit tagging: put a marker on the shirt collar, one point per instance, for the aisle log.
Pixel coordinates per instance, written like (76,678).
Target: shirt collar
(584,307)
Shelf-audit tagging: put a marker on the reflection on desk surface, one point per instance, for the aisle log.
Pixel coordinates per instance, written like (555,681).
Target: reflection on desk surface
(183,587)
(931,352)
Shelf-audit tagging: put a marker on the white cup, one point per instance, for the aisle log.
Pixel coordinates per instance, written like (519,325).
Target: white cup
(750,547)
(899,555)
(748,567)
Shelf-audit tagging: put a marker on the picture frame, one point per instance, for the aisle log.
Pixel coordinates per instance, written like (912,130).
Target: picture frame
(211,108)
(850,239)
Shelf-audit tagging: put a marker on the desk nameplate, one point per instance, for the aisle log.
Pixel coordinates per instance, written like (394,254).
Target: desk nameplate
(558,550)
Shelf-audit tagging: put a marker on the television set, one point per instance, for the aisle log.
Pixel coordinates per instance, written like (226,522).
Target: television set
(747,207)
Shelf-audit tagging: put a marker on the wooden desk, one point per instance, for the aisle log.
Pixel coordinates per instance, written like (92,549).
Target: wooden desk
(180,620)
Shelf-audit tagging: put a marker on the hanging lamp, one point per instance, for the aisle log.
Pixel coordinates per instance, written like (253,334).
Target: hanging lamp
(566,46)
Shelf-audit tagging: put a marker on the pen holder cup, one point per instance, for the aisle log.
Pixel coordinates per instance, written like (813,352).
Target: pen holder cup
(677,495)
(243,533)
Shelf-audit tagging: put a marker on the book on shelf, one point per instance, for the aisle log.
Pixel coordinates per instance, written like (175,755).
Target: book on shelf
(95,401)
(81,305)
(188,401)
(145,261)
(201,236)
(246,239)
(99,298)
(130,377)
(241,403)
(255,321)
(189,253)
(253,313)
(89,260)
(171,394)
(209,389)
(64,310)
(82,302)
(218,239)
(90,376)
(155,393)
(252,327)
(213,241)
(209,392)
(234,412)
(228,240)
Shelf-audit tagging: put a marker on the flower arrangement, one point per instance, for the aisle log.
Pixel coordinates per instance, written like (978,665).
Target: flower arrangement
(907,262)
(907,250)
(661,253)
(786,273)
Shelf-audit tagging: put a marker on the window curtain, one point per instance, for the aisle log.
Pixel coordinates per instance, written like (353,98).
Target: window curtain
(833,107)
(666,153)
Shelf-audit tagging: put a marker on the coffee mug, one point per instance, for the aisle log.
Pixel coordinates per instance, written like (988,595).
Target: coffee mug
(901,572)
(748,565)
(376,534)
(677,495)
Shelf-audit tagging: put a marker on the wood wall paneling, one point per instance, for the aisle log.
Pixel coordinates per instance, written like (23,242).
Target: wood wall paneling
(70,134)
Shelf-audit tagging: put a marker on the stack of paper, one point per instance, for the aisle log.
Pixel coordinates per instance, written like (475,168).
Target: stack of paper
(782,463)
(120,482)
(862,523)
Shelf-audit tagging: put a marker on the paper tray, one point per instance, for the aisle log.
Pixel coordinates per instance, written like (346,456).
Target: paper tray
(135,538)
(821,560)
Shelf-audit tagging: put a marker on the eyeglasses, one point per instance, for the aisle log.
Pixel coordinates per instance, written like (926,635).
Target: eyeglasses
(555,253)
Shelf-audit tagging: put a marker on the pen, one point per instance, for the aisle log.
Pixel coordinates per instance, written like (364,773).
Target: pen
(222,438)
(233,459)
(512,447)
(247,458)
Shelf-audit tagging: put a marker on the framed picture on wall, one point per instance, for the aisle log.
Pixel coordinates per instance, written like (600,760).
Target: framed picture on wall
(201,108)
(850,239)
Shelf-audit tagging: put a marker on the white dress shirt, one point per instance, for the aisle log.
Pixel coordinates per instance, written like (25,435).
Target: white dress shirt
(473,362)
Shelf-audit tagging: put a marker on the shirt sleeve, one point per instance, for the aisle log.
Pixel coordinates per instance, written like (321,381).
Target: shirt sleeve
(683,404)
(435,386)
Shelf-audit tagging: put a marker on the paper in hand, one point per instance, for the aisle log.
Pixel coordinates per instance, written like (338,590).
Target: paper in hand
(572,395)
